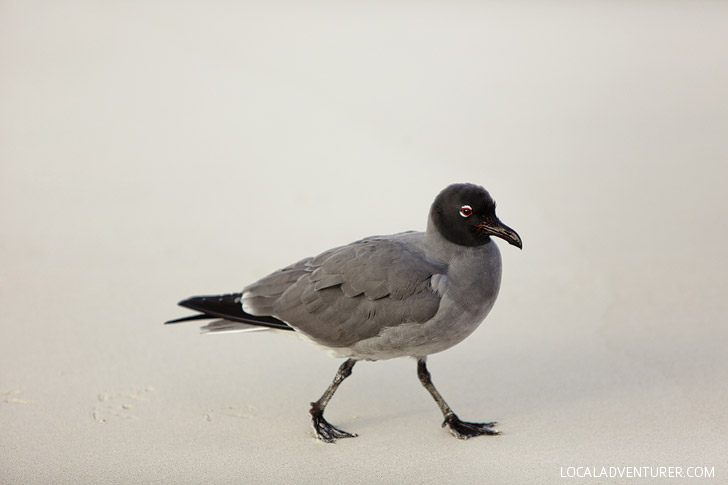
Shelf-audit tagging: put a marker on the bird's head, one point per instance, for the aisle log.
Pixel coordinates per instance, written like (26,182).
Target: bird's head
(465,215)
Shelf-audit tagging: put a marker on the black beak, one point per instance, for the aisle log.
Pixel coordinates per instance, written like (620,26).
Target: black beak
(498,229)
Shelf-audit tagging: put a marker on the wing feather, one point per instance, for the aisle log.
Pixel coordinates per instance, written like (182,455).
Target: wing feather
(353,292)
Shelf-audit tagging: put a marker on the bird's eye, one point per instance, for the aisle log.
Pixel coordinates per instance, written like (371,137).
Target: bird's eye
(466,211)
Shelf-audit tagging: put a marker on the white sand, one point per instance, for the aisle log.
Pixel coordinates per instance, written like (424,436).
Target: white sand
(153,151)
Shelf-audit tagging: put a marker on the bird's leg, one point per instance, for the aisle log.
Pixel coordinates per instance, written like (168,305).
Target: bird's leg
(460,429)
(322,428)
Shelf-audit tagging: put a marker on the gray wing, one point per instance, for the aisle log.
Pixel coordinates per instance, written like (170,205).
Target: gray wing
(259,298)
(353,292)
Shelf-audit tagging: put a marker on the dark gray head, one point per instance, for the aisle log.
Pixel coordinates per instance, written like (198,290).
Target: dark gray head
(465,214)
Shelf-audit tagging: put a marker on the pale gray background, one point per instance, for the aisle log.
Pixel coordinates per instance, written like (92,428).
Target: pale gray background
(155,150)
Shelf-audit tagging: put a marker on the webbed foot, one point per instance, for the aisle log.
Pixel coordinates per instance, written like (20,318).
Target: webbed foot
(463,430)
(324,430)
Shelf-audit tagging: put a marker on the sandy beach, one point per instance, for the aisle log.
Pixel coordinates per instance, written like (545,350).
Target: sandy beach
(158,150)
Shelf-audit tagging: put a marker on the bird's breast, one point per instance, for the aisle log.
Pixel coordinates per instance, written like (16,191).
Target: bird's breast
(473,279)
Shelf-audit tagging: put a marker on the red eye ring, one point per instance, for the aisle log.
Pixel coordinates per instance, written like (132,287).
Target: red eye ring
(466,211)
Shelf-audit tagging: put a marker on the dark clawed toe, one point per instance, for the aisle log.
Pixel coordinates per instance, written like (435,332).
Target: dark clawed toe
(326,432)
(464,430)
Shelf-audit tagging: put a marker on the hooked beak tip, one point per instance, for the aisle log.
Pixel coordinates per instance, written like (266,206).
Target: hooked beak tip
(498,229)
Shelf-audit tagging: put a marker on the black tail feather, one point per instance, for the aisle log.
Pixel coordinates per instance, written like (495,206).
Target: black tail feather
(227,307)
(199,316)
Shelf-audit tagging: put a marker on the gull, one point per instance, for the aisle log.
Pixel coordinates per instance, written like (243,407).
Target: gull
(410,294)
